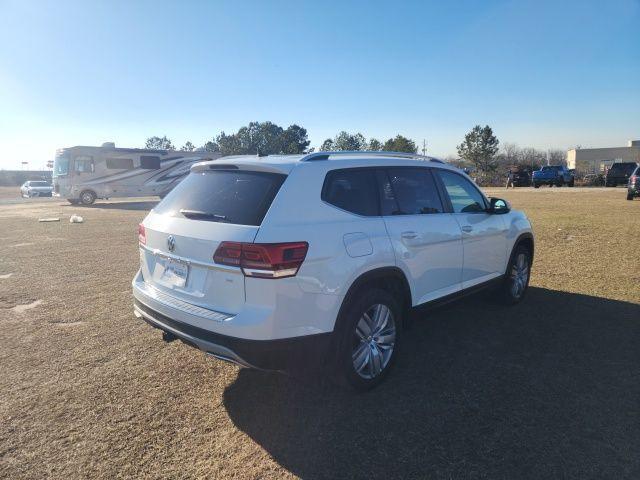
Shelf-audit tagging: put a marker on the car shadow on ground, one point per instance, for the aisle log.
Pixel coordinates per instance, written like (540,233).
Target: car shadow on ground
(145,205)
(549,388)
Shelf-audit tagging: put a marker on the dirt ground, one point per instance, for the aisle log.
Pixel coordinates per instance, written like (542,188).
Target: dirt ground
(547,389)
(9,192)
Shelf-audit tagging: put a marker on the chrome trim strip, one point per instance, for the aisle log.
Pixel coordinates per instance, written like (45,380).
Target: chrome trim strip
(189,261)
(254,272)
(173,302)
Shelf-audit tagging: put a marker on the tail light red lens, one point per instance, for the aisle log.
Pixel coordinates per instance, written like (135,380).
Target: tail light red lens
(142,234)
(263,260)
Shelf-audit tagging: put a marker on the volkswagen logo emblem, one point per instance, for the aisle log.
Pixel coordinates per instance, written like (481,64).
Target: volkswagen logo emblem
(171,243)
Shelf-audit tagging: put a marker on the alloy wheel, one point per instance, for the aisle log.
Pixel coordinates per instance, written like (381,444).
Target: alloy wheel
(519,275)
(374,340)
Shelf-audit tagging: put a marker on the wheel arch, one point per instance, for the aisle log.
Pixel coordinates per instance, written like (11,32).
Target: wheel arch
(526,240)
(390,278)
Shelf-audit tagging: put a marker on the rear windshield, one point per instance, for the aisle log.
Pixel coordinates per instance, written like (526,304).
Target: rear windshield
(228,196)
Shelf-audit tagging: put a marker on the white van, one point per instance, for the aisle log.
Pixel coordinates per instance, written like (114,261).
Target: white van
(83,174)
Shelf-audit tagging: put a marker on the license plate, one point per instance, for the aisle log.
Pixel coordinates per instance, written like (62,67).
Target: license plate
(175,272)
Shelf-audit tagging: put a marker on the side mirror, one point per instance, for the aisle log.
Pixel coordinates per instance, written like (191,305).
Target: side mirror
(499,206)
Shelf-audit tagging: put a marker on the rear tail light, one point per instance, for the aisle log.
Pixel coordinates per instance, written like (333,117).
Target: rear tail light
(263,260)
(634,178)
(142,234)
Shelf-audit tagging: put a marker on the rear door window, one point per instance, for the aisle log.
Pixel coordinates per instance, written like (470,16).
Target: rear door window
(229,196)
(352,189)
(409,191)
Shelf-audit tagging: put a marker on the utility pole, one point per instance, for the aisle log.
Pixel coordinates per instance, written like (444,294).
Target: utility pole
(424,147)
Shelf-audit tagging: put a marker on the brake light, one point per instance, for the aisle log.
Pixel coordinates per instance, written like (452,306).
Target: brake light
(142,234)
(263,260)
(634,178)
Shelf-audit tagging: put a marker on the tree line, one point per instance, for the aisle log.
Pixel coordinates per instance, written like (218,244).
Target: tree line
(267,138)
(479,151)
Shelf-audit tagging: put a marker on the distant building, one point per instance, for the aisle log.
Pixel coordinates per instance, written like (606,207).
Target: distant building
(596,160)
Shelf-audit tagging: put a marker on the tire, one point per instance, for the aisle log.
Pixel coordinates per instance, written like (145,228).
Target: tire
(629,196)
(535,185)
(571,183)
(364,356)
(87,197)
(511,293)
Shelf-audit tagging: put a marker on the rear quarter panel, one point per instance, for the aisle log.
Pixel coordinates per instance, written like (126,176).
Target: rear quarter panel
(299,214)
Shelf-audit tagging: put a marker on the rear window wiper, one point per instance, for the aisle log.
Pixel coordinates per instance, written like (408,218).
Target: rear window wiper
(204,215)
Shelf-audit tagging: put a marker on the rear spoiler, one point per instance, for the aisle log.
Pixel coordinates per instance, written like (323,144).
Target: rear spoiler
(220,165)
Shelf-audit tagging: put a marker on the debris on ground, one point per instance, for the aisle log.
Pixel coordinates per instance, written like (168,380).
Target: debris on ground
(52,219)
(76,219)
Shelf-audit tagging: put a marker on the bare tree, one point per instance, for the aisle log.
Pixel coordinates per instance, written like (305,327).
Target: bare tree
(557,157)
(532,158)
(510,153)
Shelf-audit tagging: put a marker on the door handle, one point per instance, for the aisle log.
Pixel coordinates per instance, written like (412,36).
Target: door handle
(409,235)
(467,228)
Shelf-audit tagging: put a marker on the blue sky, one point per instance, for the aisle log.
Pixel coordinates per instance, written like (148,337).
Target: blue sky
(545,74)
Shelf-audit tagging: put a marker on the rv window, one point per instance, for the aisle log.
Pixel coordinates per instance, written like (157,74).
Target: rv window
(61,165)
(84,163)
(148,162)
(119,163)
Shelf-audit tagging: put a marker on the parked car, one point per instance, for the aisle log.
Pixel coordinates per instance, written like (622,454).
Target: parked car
(551,175)
(34,188)
(521,177)
(311,260)
(619,174)
(633,186)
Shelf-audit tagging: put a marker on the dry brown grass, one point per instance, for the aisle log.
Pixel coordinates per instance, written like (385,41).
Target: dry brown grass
(547,389)
(10,192)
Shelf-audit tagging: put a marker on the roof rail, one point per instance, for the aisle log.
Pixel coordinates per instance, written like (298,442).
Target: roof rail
(315,156)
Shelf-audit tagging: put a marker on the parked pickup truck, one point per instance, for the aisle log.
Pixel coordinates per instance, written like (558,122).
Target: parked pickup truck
(553,175)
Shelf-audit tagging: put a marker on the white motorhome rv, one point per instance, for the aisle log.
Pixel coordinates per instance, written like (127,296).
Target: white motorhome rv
(82,174)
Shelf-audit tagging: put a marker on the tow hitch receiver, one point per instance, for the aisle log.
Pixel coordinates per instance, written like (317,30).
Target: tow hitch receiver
(168,337)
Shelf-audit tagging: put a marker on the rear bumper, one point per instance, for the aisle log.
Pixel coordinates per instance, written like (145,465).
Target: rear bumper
(288,354)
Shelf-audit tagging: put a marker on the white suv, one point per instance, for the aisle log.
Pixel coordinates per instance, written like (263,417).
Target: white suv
(282,262)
